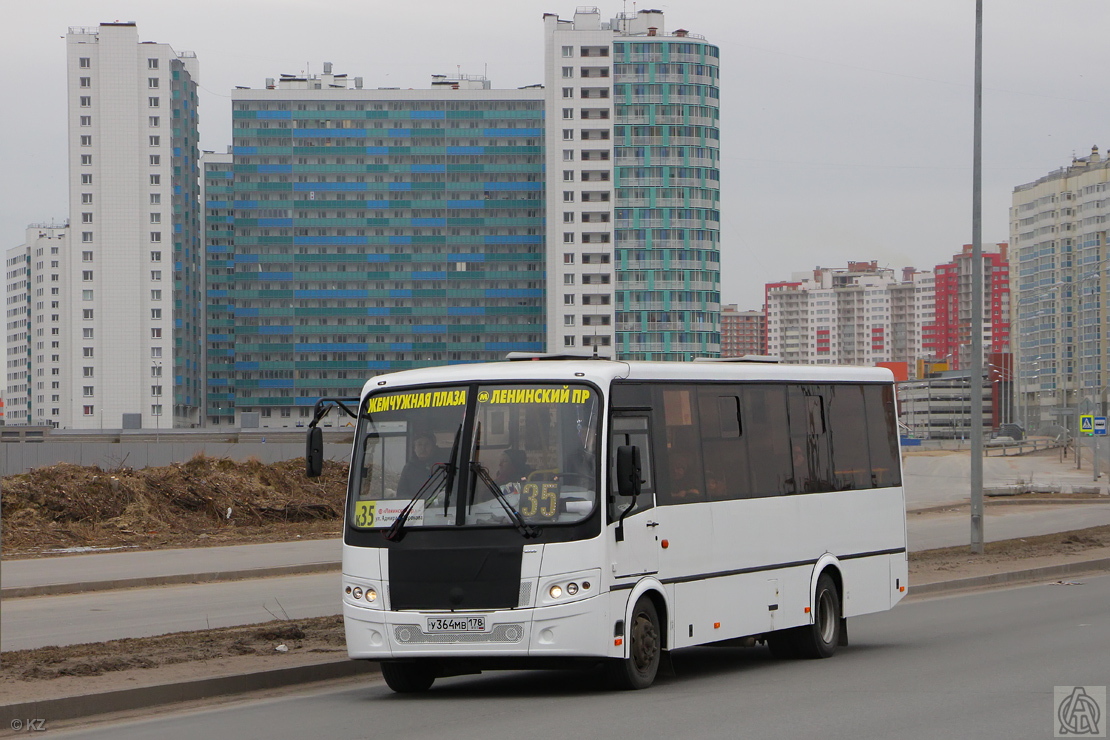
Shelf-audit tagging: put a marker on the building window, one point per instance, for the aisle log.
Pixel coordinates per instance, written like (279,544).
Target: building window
(87,276)
(156,218)
(568,72)
(156,371)
(86,236)
(155,199)
(156,295)
(568,320)
(155,159)
(568,134)
(156,314)
(155,179)
(87,351)
(568,175)
(568,114)
(568,341)
(152,83)
(156,256)
(86,198)
(568,279)
(156,390)
(152,63)
(156,275)
(86,120)
(568,299)
(87,391)
(568,217)
(86,179)
(86,140)
(568,237)
(86,218)
(87,313)
(86,159)
(155,236)
(156,352)
(568,92)
(156,332)
(156,409)
(86,256)
(87,333)
(156,141)
(152,102)
(86,82)
(89,410)
(568,196)
(85,101)
(568,155)
(154,121)
(568,259)
(568,51)
(84,62)
(86,295)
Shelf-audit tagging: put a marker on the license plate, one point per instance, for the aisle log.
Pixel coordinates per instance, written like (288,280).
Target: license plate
(456,624)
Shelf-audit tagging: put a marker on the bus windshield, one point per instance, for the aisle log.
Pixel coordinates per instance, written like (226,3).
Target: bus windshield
(477,455)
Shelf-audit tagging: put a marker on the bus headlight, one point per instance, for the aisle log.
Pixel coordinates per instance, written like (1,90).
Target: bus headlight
(555,591)
(568,587)
(371,594)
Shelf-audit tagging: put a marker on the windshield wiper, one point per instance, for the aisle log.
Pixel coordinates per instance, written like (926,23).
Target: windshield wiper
(430,486)
(515,517)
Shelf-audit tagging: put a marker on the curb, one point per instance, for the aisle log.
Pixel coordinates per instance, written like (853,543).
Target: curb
(89,705)
(56,589)
(1015,576)
(122,700)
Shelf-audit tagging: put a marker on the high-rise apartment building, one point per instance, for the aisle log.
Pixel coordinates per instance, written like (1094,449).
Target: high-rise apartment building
(34,314)
(1060,285)
(742,332)
(859,315)
(219,246)
(648,218)
(131,328)
(949,337)
(373,230)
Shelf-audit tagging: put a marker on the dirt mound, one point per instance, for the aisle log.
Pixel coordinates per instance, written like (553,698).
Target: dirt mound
(206,498)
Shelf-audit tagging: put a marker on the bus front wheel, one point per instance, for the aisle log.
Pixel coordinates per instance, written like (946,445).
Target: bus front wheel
(645,648)
(408,678)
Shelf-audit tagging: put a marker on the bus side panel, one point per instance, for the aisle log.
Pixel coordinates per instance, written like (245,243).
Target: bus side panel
(727,607)
(866,585)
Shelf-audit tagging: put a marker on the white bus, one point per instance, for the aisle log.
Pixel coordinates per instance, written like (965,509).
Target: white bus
(566,511)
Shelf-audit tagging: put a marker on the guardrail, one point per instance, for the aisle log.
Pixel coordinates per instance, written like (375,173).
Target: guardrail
(1020,448)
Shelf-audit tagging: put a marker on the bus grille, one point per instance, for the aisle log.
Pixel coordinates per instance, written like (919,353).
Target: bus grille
(525,593)
(410,634)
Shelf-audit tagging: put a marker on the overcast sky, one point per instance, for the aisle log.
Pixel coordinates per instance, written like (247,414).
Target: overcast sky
(846,124)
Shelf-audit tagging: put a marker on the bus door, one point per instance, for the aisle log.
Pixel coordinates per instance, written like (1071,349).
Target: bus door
(638,553)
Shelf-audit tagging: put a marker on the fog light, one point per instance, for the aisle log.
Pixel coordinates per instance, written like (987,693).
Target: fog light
(555,591)
(348,589)
(356,592)
(371,594)
(572,589)
(585,585)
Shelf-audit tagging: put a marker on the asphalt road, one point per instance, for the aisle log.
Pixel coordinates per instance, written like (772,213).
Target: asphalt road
(982,665)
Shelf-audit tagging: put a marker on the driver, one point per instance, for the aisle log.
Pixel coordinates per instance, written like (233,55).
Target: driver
(425,454)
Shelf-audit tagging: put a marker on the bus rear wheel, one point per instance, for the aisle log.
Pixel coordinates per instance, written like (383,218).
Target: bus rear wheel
(408,678)
(645,649)
(817,640)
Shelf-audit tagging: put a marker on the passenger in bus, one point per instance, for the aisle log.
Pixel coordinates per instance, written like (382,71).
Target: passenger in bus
(512,470)
(425,454)
(684,482)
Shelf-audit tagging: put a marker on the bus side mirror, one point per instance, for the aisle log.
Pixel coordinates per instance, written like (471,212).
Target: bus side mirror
(628,470)
(314,453)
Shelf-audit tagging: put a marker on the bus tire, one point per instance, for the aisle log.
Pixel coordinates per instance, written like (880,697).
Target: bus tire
(820,639)
(645,649)
(408,678)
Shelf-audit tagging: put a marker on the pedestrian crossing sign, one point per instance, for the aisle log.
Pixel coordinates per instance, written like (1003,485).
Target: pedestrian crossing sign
(1087,424)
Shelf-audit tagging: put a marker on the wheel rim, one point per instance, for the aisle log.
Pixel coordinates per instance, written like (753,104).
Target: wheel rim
(645,643)
(826,620)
